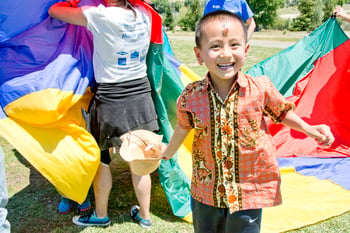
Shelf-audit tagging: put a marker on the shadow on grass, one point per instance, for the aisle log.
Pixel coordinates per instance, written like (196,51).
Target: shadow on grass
(34,208)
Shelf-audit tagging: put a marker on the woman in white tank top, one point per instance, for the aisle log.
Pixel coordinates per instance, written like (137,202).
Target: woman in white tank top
(122,100)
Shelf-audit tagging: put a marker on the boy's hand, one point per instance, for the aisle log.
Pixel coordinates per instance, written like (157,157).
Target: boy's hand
(156,151)
(322,134)
(163,150)
(152,151)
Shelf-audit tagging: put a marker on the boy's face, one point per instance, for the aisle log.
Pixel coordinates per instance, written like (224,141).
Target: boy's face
(223,49)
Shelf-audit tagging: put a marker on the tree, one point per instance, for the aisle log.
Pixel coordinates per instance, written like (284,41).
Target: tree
(265,11)
(311,15)
(161,5)
(192,16)
(176,6)
(169,19)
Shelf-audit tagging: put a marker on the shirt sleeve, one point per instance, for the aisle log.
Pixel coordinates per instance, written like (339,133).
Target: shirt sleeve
(184,116)
(94,17)
(276,106)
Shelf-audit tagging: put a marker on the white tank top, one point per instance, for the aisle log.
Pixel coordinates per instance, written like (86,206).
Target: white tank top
(121,40)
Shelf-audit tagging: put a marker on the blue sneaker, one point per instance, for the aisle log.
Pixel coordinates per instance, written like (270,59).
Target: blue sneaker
(65,206)
(86,205)
(91,219)
(134,213)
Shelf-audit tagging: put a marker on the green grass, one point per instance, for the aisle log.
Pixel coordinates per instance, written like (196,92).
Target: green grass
(33,200)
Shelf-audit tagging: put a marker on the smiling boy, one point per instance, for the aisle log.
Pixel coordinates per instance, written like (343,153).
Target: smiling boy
(234,171)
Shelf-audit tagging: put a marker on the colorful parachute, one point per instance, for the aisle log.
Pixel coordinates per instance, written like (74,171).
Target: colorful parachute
(46,73)
(314,74)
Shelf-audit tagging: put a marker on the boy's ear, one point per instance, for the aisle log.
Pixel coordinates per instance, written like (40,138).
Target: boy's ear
(246,51)
(198,55)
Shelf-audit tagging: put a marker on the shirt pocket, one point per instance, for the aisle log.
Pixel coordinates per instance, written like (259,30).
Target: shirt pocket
(249,129)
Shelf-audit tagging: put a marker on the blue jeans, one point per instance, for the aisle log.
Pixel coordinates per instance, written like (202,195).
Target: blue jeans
(4,224)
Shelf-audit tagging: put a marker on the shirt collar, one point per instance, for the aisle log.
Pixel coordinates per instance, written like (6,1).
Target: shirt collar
(242,81)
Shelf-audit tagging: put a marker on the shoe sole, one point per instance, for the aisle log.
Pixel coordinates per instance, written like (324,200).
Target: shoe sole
(76,222)
(145,227)
(86,208)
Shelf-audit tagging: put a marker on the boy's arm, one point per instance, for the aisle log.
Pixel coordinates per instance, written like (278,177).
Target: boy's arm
(68,12)
(175,142)
(321,133)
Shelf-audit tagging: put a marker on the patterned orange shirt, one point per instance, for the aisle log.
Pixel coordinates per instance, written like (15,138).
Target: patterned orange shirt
(234,165)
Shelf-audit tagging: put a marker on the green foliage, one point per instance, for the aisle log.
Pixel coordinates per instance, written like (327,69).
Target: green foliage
(291,3)
(311,15)
(187,3)
(161,5)
(176,6)
(282,24)
(193,14)
(265,11)
(168,21)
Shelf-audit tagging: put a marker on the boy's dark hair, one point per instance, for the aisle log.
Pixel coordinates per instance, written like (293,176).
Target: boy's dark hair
(219,14)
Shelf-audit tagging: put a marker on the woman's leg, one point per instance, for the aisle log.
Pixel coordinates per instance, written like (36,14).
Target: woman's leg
(102,188)
(142,188)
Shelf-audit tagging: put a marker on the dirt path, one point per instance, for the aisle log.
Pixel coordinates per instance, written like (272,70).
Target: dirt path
(271,44)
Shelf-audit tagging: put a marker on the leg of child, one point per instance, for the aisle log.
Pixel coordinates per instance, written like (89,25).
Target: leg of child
(219,220)
(207,218)
(244,221)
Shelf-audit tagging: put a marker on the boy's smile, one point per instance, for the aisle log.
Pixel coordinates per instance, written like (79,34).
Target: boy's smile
(223,49)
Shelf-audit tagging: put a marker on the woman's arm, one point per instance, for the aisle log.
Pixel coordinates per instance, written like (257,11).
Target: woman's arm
(68,12)
(339,12)
(321,133)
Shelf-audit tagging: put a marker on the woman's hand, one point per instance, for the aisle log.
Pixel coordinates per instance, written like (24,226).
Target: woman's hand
(74,3)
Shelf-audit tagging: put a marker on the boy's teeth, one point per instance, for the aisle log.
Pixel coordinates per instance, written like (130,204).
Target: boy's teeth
(225,65)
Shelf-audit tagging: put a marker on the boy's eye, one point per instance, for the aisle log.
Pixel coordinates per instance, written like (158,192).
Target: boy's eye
(215,46)
(234,44)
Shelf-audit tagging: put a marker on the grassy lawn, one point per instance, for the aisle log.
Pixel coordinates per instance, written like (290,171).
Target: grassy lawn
(33,200)
(183,50)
